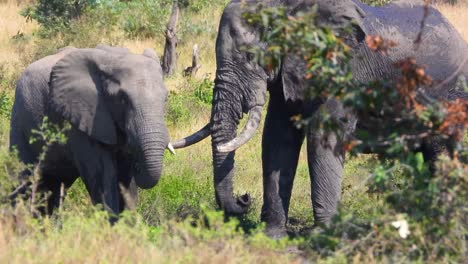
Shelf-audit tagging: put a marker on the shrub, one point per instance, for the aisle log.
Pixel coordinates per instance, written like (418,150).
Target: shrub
(6,103)
(428,205)
(176,197)
(146,18)
(178,110)
(55,15)
(194,97)
(204,90)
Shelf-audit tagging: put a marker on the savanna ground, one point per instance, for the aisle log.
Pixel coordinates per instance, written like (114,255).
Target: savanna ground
(176,221)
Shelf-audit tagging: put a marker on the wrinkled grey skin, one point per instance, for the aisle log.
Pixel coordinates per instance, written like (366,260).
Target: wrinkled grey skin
(241,85)
(114,101)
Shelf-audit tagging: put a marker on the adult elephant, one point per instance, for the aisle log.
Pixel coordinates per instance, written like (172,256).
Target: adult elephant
(241,84)
(114,101)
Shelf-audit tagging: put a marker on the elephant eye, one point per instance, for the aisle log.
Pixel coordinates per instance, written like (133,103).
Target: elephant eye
(250,56)
(122,99)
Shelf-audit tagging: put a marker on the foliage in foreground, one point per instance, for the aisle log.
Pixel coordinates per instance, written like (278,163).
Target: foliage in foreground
(430,203)
(87,236)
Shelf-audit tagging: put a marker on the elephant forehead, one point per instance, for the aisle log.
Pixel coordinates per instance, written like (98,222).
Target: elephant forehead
(137,68)
(136,61)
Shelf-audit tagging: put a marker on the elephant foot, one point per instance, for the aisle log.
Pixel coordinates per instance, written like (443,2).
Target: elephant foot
(275,232)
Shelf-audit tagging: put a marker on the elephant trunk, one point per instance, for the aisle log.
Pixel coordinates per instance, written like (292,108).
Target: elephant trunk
(152,139)
(226,113)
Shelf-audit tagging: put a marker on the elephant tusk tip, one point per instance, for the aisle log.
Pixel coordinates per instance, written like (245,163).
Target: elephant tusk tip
(171,148)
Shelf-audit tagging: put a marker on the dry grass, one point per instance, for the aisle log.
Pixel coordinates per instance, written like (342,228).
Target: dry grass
(457,15)
(11,24)
(92,240)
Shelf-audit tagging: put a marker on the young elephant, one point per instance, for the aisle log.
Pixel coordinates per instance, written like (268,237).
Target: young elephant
(114,101)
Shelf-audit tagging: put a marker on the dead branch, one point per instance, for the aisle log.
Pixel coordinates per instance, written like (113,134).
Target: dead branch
(192,70)
(169,60)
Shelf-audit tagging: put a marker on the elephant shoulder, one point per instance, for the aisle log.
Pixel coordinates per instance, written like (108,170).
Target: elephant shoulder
(113,49)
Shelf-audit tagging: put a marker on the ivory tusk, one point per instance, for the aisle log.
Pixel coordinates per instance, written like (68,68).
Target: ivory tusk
(255,114)
(194,138)
(171,148)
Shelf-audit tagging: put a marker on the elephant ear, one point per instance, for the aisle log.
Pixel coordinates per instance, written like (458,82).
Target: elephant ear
(150,53)
(76,92)
(356,13)
(292,77)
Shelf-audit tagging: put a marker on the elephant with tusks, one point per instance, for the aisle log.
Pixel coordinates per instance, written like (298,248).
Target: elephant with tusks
(241,85)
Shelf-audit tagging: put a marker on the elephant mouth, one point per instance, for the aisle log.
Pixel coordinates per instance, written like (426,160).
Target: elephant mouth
(251,126)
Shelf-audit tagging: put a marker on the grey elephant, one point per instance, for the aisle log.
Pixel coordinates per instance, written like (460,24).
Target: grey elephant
(241,85)
(114,101)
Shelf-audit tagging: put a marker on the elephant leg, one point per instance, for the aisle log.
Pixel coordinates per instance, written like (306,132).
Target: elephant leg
(281,146)
(128,195)
(325,158)
(98,171)
(432,149)
(128,192)
(51,186)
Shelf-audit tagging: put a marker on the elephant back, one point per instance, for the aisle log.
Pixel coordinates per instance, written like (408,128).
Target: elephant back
(440,46)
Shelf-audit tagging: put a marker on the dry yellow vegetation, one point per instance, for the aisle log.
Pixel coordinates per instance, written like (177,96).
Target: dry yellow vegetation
(11,24)
(457,15)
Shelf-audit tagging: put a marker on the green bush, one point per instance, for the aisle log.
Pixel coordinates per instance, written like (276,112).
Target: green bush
(195,97)
(204,90)
(176,197)
(55,15)
(146,18)
(6,103)
(424,216)
(178,110)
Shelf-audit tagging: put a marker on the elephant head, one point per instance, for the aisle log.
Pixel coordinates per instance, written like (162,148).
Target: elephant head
(241,85)
(116,98)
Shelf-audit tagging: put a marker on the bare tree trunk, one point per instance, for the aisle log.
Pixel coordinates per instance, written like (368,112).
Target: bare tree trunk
(170,57)
(192,70)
